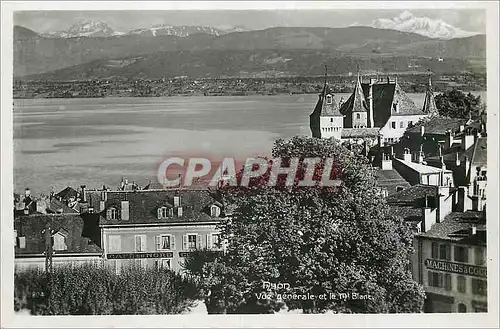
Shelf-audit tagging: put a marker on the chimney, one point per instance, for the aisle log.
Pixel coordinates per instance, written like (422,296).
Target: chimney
(27,193)
(449,139)
(464,202)
(457,160)
(388,80)
(102,205)
(370,98)
(125,210)
(467,140)
(441,161)
(421,154)
(428,219)
(84,193)
(444,193)
(422,130)
(473,230)
(462,128)
(407,155)
(467,165)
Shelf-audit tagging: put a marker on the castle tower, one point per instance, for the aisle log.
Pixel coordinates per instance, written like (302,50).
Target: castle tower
(326,121)
(355,109)
(429,102)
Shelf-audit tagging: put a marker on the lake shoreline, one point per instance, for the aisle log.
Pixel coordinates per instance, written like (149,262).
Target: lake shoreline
(236,94)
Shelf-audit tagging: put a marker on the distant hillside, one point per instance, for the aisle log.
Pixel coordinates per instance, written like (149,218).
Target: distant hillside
(22,33)
(248,63)
(39,55)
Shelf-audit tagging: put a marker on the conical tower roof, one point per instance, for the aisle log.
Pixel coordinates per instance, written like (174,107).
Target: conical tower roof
(356,102)
(429,102)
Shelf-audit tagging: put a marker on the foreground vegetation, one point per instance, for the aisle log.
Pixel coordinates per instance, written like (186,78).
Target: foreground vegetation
(96,290)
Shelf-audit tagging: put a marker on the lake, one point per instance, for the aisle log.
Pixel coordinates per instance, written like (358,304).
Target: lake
(61,142)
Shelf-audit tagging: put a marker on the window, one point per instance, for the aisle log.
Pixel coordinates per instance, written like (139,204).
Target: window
(461,284)
(435,279)
(447,282)
(191,241)
(164,212)
(399,188)
(115,243)
(140,243)
(445,252)
(214,211)
(480,256)
(112,214)
(401,124)
(179,212)
(213,241)
(177,201)
(461,254)
(164,263)
(479,287)
(328,99)
(15,238)
(165,242)
(462,308)
(22,242)
(358,116)
(331,120)
(410,123)
(393,124)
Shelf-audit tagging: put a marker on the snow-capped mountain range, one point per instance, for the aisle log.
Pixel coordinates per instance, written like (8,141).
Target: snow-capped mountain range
(87,28)
(432,28)
(84,28)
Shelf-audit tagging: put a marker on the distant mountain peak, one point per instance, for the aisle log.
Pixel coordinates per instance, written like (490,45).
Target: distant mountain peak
(84,28)
(432,28)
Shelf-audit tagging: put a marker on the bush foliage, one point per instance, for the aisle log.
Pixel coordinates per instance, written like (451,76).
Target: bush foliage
(97,290)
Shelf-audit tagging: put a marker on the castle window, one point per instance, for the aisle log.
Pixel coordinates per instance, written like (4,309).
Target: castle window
(331,119)
(358,116)
(328,99)
(393,124)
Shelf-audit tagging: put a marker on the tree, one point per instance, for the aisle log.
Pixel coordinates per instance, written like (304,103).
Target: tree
(456,104)
(318,241)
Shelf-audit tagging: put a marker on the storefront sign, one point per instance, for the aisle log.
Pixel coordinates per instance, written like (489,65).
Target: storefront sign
(135,255)
(183,253)
(465,269)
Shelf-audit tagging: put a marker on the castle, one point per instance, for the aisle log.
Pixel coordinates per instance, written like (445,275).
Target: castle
(378,111)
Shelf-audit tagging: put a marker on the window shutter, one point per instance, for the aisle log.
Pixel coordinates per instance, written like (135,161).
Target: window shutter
(159,213)
(198,241)
(171,212)
(179,211)
(172,242)
(448,252)
(429,278)
(209,241)
(185,242)
(143,243)
(158,242)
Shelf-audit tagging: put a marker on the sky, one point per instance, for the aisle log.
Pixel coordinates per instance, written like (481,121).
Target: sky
(124,21)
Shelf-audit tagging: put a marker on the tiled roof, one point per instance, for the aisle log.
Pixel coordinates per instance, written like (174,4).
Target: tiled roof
(324,109)
(31,228)
(56,206)
(67,193)
(408,213)
(390,180)
(456,225)
(437,125)
(413,195)
(143,205)
(359,132)
(479,153)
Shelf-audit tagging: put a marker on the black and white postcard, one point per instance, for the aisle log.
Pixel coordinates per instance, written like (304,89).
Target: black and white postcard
(274,164)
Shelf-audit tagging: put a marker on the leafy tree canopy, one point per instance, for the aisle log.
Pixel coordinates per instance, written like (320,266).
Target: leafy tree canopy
(456,104)
(318,240)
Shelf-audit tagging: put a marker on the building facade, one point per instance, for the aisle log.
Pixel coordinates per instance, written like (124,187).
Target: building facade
(155,227)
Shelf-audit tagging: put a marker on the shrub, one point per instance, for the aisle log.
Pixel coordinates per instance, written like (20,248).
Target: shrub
(97,290)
